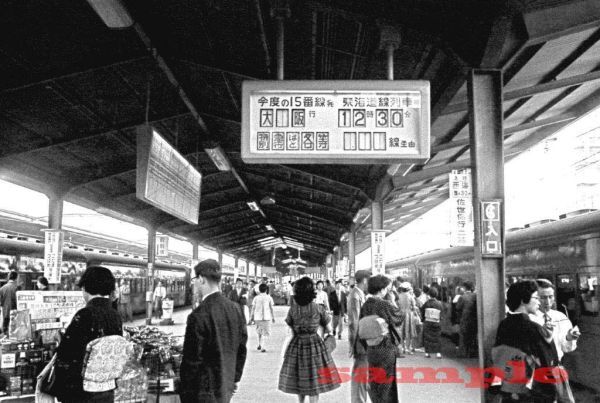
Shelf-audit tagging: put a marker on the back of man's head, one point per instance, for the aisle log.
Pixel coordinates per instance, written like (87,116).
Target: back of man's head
(544,283)
(361,275)
(209,269)
(13,275)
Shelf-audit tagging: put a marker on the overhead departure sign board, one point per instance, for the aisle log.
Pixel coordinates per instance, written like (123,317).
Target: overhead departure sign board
(165,178)
(335,122)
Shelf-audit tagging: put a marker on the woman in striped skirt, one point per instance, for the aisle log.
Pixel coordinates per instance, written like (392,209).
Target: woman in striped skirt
(308,369)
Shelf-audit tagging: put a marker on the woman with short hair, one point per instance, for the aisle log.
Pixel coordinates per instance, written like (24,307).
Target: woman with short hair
(97,319)
(383,355)
(42,283)
(306,357)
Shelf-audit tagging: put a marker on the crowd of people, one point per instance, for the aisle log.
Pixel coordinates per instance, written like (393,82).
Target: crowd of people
(385,320)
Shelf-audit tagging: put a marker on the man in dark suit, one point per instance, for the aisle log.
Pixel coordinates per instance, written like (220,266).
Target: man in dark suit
(337,303)
(214,348)
(239,293)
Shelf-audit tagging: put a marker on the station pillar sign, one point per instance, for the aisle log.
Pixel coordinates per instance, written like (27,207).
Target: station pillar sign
(335,122)
(53,252)
(491,229)
(378,252)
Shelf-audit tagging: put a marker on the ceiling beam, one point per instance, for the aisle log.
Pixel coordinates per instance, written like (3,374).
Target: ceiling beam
(520,93)
(286,217)
(351,192)
(509,131)
(293,185)
(416,189)
(401,203)
(429,173)
(295,212)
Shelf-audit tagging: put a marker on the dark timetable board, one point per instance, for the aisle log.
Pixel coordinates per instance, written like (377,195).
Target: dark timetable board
(164,178)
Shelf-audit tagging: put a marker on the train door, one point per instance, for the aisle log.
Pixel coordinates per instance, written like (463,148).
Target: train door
(566,296)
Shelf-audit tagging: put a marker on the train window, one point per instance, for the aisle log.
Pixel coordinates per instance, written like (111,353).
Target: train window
(588,284)
(566,294)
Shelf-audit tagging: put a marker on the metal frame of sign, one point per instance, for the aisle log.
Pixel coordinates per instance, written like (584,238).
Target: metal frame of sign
(482,227)
(359,150)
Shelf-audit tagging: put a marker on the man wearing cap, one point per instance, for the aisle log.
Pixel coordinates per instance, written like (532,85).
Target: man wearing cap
(214,348)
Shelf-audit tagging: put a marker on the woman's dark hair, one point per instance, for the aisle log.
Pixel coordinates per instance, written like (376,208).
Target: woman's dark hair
(97,280)
(321,282)
(304,291)
(433,292)
(43,281)
(263,288)
(377,283)
(520,292)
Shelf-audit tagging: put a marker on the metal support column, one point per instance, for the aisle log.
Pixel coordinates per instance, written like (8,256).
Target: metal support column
(195,251)
(150,273)
(55,212)
(377,215)
(487,157)
(220,259)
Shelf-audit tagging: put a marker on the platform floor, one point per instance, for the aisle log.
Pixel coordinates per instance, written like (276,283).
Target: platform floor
(259,382)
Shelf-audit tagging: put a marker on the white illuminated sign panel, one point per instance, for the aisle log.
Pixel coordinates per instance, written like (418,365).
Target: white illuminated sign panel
(53,251)
(357,122)
(165,179)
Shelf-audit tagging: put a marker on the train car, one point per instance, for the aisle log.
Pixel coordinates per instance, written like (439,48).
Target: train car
(26,256)
(567,252)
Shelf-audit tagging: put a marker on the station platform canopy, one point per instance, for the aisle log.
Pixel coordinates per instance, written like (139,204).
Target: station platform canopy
(74,91)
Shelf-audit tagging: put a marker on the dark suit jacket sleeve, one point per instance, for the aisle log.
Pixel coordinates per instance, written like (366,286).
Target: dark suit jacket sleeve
(241,353)
(193,360)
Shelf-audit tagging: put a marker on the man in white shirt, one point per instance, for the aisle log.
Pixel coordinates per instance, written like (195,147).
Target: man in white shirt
(356,299)
(564,335)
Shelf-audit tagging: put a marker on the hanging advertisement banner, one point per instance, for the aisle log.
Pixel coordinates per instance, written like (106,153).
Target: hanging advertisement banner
(378,252)
(461,208)
(53,251)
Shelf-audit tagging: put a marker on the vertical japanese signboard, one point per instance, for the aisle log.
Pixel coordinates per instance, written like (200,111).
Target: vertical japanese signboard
(162,245)
(53,251)
(491,228)
(357,122)
(461,208)
(378,252)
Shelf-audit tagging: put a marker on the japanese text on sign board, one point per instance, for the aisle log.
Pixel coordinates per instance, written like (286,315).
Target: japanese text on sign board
(297,122)
(461,208)
(378,252)
(53,250)
(491,229)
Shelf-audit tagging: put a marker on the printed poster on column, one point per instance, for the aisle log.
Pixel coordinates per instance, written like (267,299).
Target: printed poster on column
(378,252)
(53,251)
(461,208)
